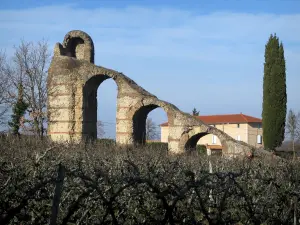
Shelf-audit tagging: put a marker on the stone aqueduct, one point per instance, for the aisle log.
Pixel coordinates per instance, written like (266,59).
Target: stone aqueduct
(73,79)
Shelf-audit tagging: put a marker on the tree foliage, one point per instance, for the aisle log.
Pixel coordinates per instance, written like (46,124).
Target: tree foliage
(274,94)
(19,109)
(29,67)
(195,112)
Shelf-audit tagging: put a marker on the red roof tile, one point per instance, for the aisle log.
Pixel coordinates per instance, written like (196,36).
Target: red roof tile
(229,118)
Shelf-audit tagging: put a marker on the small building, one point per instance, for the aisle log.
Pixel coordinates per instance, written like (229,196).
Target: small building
(239,126)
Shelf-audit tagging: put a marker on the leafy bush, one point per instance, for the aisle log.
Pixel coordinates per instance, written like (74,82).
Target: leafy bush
(106,142)
(201,149)
(158,145)
(142,185)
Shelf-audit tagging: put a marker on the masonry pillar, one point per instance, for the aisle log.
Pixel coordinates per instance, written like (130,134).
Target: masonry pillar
(124,121)
(174,140)
(60,109)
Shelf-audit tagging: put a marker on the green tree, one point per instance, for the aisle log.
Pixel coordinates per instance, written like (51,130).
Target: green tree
(19,108)
(195,112)
(274,94)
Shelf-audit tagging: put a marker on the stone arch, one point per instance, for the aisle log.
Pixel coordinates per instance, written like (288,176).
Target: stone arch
(79,45)
(139,117)
(71,81)
(90,105)
(75,47)
(193,140)
(190,139)
(139,123)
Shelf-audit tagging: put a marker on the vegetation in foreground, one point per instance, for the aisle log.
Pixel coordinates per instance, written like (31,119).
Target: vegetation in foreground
(46,183)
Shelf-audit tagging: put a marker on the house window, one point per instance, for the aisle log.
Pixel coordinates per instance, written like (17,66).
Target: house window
(238,125)
(259,139)
(238,137)
(259,125)
(214,139)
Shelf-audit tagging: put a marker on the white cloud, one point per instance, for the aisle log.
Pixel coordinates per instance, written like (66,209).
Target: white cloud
(155,32)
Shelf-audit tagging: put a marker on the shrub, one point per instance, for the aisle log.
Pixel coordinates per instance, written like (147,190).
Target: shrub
(142,185)
(158,145)
(106,142)
(201,149)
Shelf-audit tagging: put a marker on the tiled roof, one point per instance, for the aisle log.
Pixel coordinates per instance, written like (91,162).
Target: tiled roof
(229,118)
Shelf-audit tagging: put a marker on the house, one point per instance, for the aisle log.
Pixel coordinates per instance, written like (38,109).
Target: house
(239,126)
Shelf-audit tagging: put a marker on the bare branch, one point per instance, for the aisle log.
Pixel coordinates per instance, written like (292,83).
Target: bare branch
(30,63)
(151,130)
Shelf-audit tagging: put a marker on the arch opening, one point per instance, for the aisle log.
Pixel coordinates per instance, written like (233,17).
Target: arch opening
(155,133)
(90,121)
(191,144)
(142,126)
(75,48)
(107,110)
(203,141)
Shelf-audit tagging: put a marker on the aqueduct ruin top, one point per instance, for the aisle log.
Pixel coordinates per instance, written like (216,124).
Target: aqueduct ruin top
(73,80)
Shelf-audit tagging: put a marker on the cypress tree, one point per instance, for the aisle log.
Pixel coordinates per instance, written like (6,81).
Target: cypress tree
(19,109)
(195,112)
(274,94)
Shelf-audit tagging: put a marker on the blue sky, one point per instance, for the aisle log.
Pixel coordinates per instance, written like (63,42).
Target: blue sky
(202,6)
(203,54)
